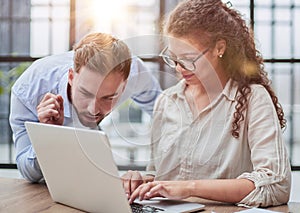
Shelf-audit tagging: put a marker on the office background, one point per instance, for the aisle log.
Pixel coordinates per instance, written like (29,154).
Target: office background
(33,29)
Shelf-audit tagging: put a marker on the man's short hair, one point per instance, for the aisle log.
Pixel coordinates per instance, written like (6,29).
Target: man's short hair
(102,53)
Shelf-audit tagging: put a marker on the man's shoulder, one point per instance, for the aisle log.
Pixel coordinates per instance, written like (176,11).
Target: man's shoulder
(48,67)
(137,65)
(52,61)
(44,75)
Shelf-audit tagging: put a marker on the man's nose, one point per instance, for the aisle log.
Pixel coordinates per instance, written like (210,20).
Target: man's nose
(94,107)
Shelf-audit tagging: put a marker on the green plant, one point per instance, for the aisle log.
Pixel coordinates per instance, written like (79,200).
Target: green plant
(7,79)
(2,76)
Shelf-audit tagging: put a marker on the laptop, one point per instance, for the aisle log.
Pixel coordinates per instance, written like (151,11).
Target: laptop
(80,171)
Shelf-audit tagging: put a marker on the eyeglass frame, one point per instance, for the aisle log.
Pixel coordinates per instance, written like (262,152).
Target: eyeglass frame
(177,60)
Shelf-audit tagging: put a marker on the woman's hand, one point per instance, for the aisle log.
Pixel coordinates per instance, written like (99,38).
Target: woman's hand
(169,189)
(131,180)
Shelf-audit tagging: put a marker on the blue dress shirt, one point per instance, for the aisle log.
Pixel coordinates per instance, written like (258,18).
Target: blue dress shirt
(50,74)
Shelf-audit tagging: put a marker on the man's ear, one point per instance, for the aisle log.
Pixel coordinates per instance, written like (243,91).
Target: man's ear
(71,76)
(124,85)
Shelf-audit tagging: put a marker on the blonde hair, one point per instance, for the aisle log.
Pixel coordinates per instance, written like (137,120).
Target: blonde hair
(102,53)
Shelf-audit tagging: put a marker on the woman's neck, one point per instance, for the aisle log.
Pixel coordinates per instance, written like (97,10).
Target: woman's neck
(200,96)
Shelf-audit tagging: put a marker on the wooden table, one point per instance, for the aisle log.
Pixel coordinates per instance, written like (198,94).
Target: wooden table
(18,195)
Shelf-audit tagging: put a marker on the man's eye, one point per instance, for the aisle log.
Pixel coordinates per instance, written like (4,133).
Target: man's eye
(86,94)
(110,98)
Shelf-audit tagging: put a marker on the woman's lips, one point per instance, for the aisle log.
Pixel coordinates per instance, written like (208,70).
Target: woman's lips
(186,77)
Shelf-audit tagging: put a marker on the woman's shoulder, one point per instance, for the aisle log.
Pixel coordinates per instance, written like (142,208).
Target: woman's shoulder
(259,95)
(258,89)
(175,89)
(255,89)
(169,94)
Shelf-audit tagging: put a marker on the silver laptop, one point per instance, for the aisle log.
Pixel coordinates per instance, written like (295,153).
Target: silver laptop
(80,171)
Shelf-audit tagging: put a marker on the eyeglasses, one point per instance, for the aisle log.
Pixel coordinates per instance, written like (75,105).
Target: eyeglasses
(188,64)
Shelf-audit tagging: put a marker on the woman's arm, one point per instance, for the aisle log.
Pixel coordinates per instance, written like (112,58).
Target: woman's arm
(271,168)
(224,190)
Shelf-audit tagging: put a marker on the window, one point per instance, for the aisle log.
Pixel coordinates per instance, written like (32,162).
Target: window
(28,29)
(49,27)
(36,28)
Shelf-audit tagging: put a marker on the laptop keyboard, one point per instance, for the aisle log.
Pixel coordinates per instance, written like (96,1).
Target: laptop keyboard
(138,208)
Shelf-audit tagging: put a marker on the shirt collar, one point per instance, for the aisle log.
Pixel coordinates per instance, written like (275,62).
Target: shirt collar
(229,90)
(178,90)
(62,89)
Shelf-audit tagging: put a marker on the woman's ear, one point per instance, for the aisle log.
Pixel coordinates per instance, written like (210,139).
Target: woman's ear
(71,76)
(220,47)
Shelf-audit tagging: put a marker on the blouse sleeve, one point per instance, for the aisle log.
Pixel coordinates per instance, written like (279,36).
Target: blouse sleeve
(156,132)
(271,168)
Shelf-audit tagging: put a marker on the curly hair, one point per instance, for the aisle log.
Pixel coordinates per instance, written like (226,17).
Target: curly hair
(242,62)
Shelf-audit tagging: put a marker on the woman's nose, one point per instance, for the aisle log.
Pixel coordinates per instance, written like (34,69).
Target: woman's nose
(179,68)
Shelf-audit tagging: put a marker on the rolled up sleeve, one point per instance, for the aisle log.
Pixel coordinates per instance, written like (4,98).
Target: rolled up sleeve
(271,167)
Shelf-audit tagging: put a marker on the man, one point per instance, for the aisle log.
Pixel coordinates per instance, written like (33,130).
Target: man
(77,88)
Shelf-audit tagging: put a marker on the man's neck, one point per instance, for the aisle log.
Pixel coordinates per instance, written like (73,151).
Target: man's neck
(69,93)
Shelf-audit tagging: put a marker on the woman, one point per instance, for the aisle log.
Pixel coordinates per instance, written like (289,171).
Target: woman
(217,133)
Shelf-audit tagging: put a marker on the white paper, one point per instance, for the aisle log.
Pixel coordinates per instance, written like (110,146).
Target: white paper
(257,210)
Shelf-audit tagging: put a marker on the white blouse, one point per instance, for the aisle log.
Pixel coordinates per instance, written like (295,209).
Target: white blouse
(184,147)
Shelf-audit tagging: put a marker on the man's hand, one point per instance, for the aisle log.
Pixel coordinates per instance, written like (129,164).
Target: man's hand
(51,109)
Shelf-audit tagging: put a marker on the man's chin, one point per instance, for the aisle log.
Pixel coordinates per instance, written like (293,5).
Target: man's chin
(91,124)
